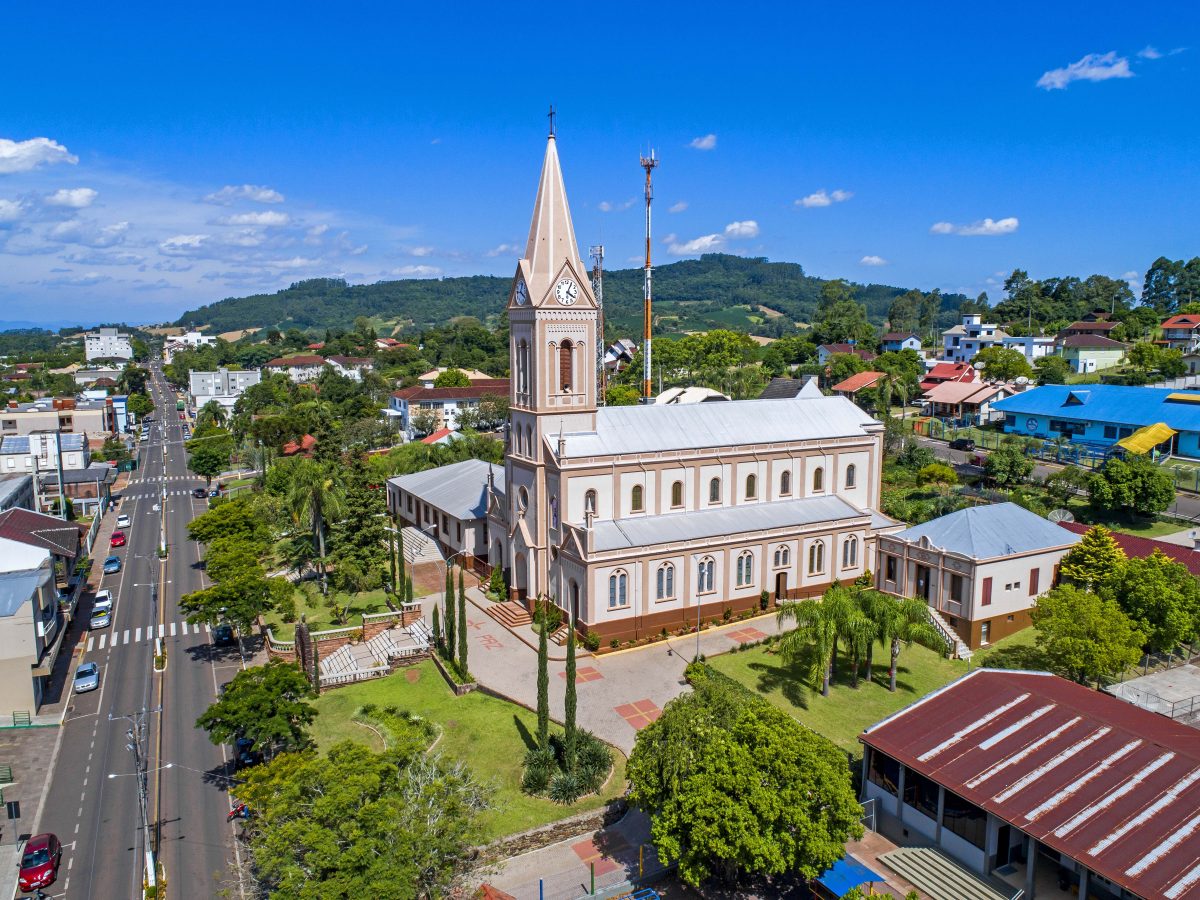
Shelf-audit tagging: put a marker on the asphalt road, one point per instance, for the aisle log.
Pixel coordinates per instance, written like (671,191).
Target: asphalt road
(93,800)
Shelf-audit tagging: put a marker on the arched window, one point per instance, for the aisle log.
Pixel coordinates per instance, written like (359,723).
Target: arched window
(635,499)
(522,368)
(553,512)
(522,499)
(783,556)
(566,369)
(714,491)
(751,486)
(704,575)
(785,483)
(529,440)
(851,475)
(666,582)
(745,569)
(618,582)
(589,502)
(850,553)
(818,479)
(677,494)
(816,558)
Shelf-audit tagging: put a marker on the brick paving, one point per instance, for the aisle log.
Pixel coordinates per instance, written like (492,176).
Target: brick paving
(639,714)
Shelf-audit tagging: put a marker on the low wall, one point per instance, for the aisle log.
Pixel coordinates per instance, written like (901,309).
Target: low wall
(537,838)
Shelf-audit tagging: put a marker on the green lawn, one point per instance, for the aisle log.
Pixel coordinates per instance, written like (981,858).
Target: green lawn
(1017,651)
(488,734)
(846,711)
(319,615)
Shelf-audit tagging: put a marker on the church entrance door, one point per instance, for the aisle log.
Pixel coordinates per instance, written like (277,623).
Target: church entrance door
(781,587)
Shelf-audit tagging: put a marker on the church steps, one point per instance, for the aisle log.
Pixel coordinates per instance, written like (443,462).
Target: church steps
(510,614)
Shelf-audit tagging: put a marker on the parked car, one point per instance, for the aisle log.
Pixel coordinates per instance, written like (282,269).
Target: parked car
(117,540)
(123,520)
(215,492)
(102,601)
(223,635)
(100,619)
(199,493)
(39,862)
(245,754)
(112,565)
(87,678)
(962,444)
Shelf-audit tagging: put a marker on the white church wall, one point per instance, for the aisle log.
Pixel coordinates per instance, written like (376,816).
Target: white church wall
(707,473)
(667,479)
(757,468)
(626,481)
(576,492)
(860,494)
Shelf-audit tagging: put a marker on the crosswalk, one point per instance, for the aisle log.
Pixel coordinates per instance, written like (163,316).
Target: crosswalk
(118,638)
(149,495)
(155,479)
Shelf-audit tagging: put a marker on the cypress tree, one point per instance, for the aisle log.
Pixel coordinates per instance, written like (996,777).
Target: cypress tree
(403,567)
(391,536)
(437,628)
(543,684)
(569,704)
(408,589)
(462,624)
(448,601)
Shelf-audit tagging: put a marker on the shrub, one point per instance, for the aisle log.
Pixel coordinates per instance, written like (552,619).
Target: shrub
(287,609)
(591,641)
(548,616)
(565,788)
(536,779)
(764,600)
(614,643)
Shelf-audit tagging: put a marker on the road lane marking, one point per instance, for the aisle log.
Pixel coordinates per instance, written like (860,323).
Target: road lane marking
(103,640)
(137,635)
(127,635)
(207,629)
(89,645)
(161,630)
(172,629)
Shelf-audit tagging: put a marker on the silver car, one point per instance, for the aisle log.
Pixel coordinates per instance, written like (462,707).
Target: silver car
(87,678)
(101,618)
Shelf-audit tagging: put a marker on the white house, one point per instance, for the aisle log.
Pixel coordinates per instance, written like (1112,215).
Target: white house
(444,404)
(962,342)
(301,368)
(223,385)
(1032,346)
(895,341)
(26,454)
(350,366)
(31,625)
(107,343)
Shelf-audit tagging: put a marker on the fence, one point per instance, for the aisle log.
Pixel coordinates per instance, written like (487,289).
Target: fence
(1173,709)
(353,676)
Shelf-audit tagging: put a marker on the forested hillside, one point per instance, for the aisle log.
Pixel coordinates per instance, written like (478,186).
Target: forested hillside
(715,291)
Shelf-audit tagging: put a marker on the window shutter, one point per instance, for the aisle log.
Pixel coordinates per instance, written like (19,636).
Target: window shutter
(987,592)
(1033,581)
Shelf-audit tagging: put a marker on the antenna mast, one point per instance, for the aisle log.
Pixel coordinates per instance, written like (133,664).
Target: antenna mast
(597,253)
(649,163)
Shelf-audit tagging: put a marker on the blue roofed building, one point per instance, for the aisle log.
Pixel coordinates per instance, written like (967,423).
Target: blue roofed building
(1103,414)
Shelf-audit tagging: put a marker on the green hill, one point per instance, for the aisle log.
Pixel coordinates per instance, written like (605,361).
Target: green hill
(714,291)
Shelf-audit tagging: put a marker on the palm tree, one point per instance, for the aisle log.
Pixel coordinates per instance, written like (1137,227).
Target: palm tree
(212,412)
(906,622)
(818,622)
(315,497)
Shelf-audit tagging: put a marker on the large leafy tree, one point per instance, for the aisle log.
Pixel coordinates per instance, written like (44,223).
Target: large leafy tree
(1161,597)
(1085,637)
(1003,364)
(1052,370)
(245,596)
(209,452)
(1008,465)
(735,787)
(1133,485)
(360,538)
(315,497)
(1096,560)
(397,825)
(234,518)
(267,704)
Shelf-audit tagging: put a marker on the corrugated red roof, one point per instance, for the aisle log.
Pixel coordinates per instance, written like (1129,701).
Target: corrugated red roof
(1089,327)
(1107,783)
(865,355)
(436,436)
(948,371)
(298,360)
(477,389)
(1140,547)
(305,447)
(857,382)
(39,530)
(1184,321)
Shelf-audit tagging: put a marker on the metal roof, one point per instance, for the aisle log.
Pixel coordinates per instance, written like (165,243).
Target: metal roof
(1108,784)
(1110,403)
(40,530)
(459,489)
(987,532)
(20,443)
(17,587)
(616,534)
(650,429)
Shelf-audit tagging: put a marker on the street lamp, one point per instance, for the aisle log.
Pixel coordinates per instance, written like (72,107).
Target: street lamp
(136,734)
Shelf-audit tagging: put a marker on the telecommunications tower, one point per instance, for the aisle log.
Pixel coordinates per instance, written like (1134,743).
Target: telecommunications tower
(649,163)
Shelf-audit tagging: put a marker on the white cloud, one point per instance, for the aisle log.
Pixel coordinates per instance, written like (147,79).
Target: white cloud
(607,206)
(1093,67)
(23,156)
(10,210)
(296,262)
(986,227)
(707,142)
(75,198)
(677,207)
(872,260)
(419,251)
(1149,52)
(183,244)
(706,243)
(416,272)
(269,218)
(822,197)
(503,250)
(746,229)
(77,231)
(256,192)
(604,206)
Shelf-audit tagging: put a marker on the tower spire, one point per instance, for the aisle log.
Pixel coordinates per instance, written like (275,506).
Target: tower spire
(551,234)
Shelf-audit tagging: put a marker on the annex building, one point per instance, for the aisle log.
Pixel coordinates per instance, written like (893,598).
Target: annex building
(1031,779)
(637,518)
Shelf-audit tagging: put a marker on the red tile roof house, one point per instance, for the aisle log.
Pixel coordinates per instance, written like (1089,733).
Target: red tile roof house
(967,402)
(301,368)
(1032,778)
(444,403)
(1182,333)
(856,383)
(946,371)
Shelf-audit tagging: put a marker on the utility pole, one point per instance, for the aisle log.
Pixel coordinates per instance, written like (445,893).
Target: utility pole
(136,734)
(598,289)
(62,496)
(649,163)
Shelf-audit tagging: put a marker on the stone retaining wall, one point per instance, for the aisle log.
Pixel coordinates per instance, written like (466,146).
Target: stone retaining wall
(537,838)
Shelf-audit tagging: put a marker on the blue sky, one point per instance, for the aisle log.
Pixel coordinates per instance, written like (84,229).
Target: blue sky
(157,157)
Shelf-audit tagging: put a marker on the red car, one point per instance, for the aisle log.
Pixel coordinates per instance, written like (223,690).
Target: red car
(118,539)
(39,862)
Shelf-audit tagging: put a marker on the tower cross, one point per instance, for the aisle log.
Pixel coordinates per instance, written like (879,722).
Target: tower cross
(550,116)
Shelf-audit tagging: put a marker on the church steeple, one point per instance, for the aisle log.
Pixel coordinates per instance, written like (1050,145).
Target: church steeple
(551,234)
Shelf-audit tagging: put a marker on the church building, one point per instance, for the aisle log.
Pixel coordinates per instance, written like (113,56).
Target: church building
(638,518)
